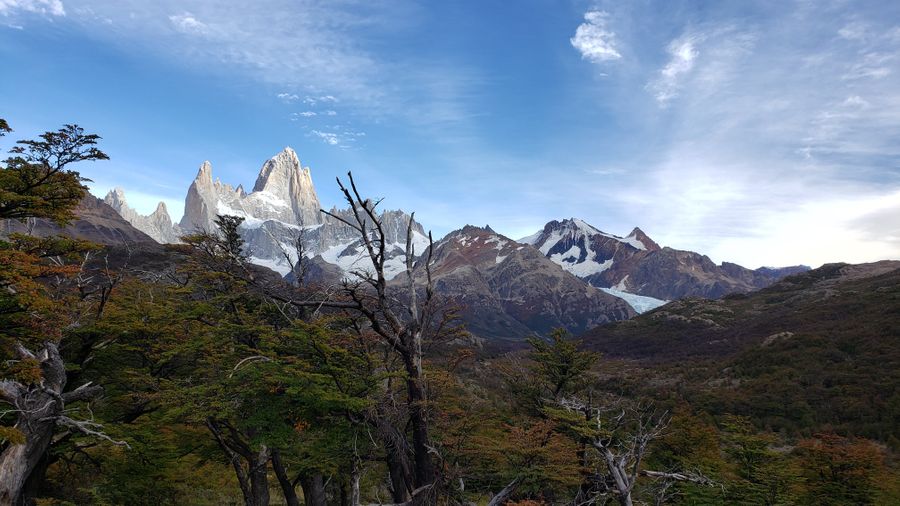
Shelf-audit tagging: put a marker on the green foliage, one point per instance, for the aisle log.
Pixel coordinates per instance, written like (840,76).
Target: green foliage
(35,181)
(839,470)
(763,472)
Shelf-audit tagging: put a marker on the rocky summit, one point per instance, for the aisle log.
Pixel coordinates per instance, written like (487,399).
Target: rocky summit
(635,264)
(157,225)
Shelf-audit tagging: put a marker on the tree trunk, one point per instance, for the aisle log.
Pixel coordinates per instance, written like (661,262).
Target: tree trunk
(18,461)
(619,476)
(38,475)
(259,477)
(287,488)
(39,406)
(424,472)
(398,466)
(313,490)
(354,483)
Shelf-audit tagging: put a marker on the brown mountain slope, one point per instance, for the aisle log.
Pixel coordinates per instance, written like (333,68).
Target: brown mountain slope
(96,222)
(836,300)
(815,351)
(509,290)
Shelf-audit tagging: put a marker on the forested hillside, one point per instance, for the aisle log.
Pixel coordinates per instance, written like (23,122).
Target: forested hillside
(137,373)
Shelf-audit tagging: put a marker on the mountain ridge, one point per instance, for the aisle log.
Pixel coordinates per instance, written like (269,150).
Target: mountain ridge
(638,265)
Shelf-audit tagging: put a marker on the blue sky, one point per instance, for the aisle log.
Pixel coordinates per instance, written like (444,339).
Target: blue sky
(764,133)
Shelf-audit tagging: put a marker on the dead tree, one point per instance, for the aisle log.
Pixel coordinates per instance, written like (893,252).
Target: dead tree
(400,325)
(41,409)
(620,436)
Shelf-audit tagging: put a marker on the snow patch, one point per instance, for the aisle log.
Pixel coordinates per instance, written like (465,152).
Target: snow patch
(634,242)
(500,242)
(569,261)
(640,303)
(281,267)
(531,239)
(268,198)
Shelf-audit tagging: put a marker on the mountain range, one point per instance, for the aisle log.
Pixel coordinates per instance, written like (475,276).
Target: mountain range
(635,264)
(569,274)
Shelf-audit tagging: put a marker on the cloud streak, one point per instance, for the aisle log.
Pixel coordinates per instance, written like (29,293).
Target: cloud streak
(682,54)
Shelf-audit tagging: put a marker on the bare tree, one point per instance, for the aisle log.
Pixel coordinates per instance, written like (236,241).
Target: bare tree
(400,326)
(620,434)
(404,318)
(40,408)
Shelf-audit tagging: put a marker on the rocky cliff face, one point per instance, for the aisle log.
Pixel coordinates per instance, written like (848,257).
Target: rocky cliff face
(636,264)
(283,192)
(510,290)
(157,225)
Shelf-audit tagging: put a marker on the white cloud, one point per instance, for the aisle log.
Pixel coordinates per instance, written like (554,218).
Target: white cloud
(330,113)
(321,99)
(594,40)
(187,23)
(872,64)
(288,97)
(682,54)
(329,138)
(857,228)
(306,114)
(43,7)
(780,148)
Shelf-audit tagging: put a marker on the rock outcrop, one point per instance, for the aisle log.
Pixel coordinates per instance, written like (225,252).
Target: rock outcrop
(157,225)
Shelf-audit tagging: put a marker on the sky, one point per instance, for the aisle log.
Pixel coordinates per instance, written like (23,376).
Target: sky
(762,133)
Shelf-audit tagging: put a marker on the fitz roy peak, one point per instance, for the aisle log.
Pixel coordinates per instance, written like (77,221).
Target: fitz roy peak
(282,207)
(283,192)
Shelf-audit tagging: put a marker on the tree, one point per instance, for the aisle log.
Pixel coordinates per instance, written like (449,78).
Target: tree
(402,326)
(839,470)
(39,298)
(613,435)
(276,391)
(36,181)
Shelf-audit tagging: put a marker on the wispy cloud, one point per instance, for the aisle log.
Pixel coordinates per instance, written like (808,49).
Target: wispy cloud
(329,138)
(336,136)
(779,143)
(682,54)
(594,40)
(187,23)
(43,7)
(328,99)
